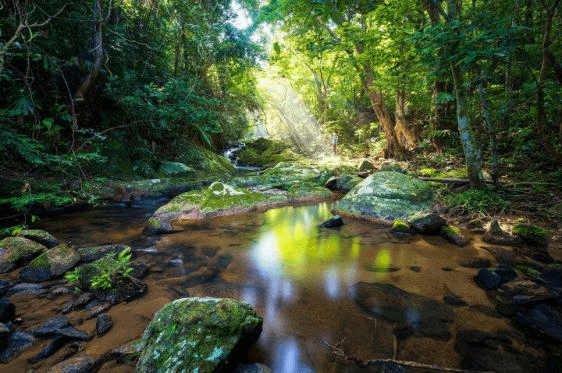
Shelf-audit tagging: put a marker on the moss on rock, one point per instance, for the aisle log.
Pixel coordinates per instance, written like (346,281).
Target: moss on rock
(16,251)
(40,236)
(400,226)
(50,264)
(386,195)
(198,335)
(531,234)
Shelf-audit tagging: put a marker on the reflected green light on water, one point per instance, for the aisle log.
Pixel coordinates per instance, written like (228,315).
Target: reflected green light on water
(292,245)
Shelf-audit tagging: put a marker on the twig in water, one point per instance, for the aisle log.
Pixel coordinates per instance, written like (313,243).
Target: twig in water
(365,363)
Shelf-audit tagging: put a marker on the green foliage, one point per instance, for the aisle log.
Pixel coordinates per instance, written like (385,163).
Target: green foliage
(484,201)
(105,273)
(529,230)
(528,270)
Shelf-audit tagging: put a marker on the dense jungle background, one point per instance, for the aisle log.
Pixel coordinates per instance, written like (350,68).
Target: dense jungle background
(100,90)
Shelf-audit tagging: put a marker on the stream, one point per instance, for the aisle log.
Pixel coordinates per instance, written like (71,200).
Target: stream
(300,278)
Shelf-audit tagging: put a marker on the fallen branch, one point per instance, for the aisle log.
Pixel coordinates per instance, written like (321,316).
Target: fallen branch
(451,181)
(365,363)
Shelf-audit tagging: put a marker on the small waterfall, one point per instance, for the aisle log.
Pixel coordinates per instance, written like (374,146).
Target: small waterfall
(230,154)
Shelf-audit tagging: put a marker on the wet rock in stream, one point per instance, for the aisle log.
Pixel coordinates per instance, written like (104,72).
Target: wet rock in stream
(59,326)
(492,352)
(104,322)
(199,334)
(7,310)
(423,316)
(15,344)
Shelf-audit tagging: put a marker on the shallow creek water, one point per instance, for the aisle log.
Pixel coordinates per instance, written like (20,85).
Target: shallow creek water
(299,278)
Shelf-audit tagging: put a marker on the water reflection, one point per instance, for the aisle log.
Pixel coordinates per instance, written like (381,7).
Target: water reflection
(292,245)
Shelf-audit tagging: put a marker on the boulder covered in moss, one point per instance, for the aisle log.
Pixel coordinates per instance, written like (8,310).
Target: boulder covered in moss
(218,199)
(286,174)
(386,196)
(221,199)
(51,264)
(18,251)
(198,335)
(263,152)
(40,236)
(175,169)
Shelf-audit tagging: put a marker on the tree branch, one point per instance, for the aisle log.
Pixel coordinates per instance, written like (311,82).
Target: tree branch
(23,26)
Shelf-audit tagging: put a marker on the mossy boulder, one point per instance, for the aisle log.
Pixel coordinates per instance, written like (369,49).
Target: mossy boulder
(386,196)
(175,169)
(308,192)
(18,251)
(51,264)
(40,236)
(198,335)
(264,152)
(285,174)
(218,199)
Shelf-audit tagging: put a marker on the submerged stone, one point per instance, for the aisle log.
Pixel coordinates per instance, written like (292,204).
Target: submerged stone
(420,315)
(334,222)
(198,335)
(386,195)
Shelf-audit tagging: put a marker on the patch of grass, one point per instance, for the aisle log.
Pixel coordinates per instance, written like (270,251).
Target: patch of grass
(483,201)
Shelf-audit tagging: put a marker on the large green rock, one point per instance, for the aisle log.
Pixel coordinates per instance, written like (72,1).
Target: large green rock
(175,169)
(17,251)
(217,200)
(51,264)
(284,175)
(40,236)
(198,335)
(387,196)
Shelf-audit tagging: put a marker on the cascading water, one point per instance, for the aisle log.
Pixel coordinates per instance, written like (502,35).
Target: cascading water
(231,155)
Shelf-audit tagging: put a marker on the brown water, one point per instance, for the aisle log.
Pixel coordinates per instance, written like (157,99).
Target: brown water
(299,278)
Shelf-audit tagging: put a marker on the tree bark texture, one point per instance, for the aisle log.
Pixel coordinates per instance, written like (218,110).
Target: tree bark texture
(404,134)
(471,151)
(491,131)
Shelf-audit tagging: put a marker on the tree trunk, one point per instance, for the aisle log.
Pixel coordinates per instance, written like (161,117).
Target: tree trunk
(98,48)
(393,147)
(405,136)
(471,151)
(491,131)
(541,116)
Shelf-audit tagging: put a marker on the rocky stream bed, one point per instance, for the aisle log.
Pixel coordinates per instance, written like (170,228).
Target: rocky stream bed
(225,278)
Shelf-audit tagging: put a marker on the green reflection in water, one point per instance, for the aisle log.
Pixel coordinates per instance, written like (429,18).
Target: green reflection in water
(292,244)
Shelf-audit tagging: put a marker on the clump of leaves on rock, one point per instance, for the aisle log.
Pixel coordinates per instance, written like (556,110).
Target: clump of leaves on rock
(106,273)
